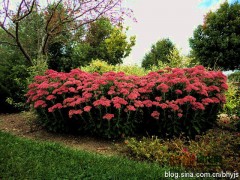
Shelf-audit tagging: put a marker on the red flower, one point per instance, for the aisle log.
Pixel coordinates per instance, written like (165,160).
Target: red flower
(87,108)
(124,91)
(155,114)
(215,100)
(138,103)
(72,89)
(133,95)
(56,106)
(131,108)
(40,103)
(163,87)
(103,101)
(43,85)
(185,150)
(173,106)
(213,88)
(178,91)
(68,100)
(74,112)
(180,115)
(87,95)
(163,105)
(50,97)
(108,116)
(158,99)
(148,103)
(111,92)
(197,105)
(119,100)
(224,86)
(207,101)
(117,105)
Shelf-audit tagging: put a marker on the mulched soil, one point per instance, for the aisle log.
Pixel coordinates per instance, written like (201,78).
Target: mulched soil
(21,124)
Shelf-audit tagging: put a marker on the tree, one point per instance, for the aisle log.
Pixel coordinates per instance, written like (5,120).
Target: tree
(159,52)
(107,42)
(60,16)
(102,40)
(216,43)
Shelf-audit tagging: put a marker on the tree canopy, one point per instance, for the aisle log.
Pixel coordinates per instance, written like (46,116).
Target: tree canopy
(107,42)
(159,52)
(216,43)
(102,40)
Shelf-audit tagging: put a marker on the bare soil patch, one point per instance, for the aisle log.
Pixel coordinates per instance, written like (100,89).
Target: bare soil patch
(21,124)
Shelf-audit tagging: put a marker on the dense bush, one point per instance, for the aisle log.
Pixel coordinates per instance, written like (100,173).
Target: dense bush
(13,75)
(101,67)
(167,102)
(231,110)
(217,150)
(232,106)
(235,77)
(13,86)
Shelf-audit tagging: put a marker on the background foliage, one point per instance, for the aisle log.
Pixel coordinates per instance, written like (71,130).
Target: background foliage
(216,43)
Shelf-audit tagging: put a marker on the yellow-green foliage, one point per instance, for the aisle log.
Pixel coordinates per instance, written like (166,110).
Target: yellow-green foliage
(230,116)
(131,70)
(39,68)
(117,44)
(151,149)
(102,67)
(98,66)
(232,105)
(176,60)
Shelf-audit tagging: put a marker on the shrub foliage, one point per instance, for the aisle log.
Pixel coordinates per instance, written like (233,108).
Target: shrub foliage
(217,150)
(167,102)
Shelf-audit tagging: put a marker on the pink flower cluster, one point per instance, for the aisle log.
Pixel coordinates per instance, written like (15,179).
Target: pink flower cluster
(170,89)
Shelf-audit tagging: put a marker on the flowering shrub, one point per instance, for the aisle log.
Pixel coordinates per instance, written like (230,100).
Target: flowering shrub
(215,151)
(166,102)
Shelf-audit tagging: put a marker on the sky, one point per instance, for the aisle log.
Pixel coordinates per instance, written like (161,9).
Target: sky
(157,19)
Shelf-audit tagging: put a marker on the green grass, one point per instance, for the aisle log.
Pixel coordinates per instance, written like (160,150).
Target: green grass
(28,159)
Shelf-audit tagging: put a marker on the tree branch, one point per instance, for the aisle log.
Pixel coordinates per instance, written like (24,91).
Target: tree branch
(20,45)
(25,15)
(8,32)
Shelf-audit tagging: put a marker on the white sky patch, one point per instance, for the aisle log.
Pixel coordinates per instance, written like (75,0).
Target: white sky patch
(159,19)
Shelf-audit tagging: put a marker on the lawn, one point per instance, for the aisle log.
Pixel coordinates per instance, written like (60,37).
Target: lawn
(28,159)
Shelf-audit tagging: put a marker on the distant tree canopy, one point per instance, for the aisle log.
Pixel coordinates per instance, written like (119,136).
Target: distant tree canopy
(216,43)
(101,40)
(159,52)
